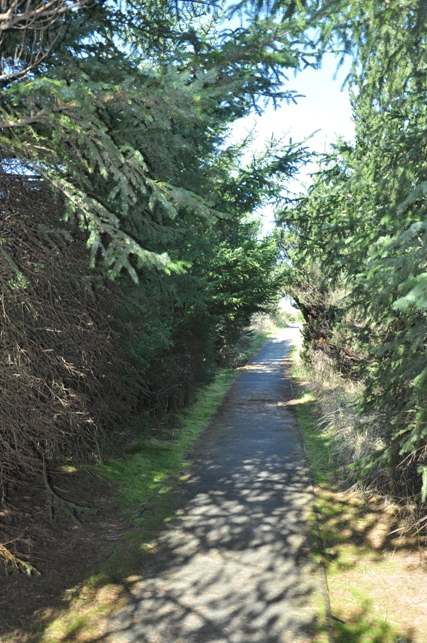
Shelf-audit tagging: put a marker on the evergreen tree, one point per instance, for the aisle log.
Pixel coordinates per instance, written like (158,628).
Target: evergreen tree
(363,224)
(129,106)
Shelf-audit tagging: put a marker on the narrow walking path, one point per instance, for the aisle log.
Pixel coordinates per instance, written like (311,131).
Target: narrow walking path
(234,567)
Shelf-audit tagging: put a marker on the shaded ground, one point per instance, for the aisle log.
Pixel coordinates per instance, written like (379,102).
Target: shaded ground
(376,563)
(63,552)
(376,577)
(234,567)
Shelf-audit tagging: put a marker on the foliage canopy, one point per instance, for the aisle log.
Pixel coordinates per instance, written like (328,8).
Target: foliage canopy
(358,237)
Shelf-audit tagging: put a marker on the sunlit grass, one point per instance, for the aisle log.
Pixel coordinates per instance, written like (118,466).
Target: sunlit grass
(145,480)
(151,461)
(365,570)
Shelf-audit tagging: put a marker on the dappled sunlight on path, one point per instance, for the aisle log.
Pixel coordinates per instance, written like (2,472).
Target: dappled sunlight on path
(234,566)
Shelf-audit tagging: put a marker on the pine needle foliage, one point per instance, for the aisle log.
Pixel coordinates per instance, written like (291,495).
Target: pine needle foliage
(129,108)
(120,112)
(362,229)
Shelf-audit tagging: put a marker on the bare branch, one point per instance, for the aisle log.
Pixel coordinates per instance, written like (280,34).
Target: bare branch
(27,14)
(40,117)
(26,35)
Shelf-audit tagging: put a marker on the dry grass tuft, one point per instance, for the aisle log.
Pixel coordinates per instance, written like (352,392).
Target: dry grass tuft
(11,562)
(352,435)
(354,438)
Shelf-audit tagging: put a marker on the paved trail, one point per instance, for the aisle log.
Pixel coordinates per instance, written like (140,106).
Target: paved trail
(234,566)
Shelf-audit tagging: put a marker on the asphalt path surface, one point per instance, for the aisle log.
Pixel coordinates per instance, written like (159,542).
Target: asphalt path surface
(235,564)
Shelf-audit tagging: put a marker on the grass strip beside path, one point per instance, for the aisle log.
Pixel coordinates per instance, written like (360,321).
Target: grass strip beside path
(376,578)
(146,484)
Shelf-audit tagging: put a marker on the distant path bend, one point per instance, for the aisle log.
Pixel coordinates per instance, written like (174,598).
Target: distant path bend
(234,567)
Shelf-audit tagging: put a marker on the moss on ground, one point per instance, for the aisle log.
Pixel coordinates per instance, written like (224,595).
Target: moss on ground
(147,483)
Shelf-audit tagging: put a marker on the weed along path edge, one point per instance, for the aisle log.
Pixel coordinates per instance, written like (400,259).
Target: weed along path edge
(235,564)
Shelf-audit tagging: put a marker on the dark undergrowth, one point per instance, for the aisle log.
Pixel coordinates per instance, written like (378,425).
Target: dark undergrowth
(86,566)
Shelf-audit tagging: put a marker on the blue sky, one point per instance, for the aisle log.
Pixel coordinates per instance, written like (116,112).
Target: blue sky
(324,107)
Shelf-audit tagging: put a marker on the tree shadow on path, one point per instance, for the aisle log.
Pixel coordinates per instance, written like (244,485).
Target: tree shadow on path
(235,565)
